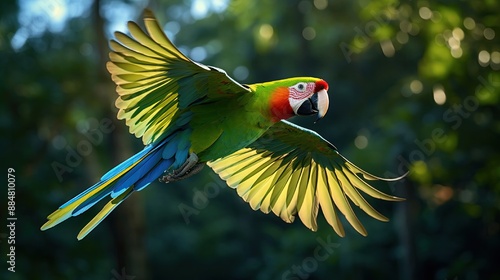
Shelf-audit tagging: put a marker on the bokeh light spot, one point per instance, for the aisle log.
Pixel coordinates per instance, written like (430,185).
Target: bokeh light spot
(439,95)
(309,33)
(425,13)
(266,31)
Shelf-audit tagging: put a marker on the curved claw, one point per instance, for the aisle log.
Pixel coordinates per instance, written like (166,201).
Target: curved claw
(190,167)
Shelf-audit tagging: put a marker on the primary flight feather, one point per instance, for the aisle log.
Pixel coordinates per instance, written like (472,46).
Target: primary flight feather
(190,115)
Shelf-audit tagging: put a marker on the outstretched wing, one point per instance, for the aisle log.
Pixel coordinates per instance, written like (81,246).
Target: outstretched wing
(154,79)
(292,170)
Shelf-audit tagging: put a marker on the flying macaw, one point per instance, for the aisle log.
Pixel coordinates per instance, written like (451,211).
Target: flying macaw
(190,115)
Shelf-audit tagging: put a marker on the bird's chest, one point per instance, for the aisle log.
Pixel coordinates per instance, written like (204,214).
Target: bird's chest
(223,129)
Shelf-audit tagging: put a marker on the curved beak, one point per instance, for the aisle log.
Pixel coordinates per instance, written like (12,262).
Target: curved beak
(316,104)
(322,103)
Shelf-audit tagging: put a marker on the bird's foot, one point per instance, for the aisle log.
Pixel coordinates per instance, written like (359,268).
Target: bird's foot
(188,169)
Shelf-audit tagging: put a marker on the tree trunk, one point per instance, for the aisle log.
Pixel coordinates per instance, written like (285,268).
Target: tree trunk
(405,223)
(127,220)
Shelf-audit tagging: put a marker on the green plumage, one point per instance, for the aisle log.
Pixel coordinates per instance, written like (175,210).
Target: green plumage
(180,107)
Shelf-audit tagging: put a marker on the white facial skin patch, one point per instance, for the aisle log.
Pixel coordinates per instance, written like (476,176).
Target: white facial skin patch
(298,93)
(302,91)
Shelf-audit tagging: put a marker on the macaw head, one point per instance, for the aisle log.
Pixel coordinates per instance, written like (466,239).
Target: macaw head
(300,97)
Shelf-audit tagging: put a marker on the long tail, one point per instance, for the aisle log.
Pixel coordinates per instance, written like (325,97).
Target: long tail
(134,174)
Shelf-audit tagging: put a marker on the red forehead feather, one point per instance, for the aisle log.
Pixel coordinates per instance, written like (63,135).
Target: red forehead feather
(321,84)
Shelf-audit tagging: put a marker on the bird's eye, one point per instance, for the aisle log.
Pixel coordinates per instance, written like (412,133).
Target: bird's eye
(301,86)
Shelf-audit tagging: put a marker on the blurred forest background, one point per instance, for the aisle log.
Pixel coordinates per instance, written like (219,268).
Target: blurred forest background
(413,85)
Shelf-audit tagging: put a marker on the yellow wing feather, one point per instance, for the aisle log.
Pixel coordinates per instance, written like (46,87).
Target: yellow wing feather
(155,80)
(294,171)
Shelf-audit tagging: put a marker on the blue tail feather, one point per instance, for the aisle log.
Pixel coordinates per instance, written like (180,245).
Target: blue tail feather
(153,174)
(133,174)
(93,187)
(90,202)
(170,148)
(122,184)
(137,172)
(117,169)
(150,168)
